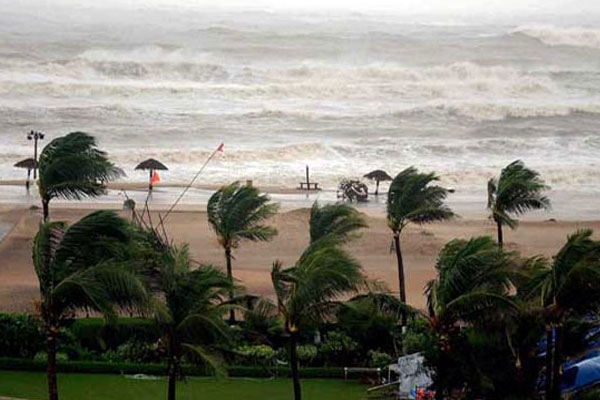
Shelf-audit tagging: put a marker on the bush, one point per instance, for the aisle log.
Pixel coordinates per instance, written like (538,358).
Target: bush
(378,359)
(306,353)
(339,349)
(20,336)
(95,334)
(256,355)
(140,352)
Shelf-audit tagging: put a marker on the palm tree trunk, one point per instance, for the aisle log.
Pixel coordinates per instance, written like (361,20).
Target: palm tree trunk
(401,287)
(401,282)
(557,363)
(549,339)
(294,367)
(500,236)
(230,276)
(51,367)
(377,189)
(45,208)
(172,370)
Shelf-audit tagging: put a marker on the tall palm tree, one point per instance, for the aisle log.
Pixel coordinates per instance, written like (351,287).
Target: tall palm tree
(73,167)
(237,213)
(472,289)
(517,190)
(567,287)
(191,318)
(82,267)
(413,197)
(308,292)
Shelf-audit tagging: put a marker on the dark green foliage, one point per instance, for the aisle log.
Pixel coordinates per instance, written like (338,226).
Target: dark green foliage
(338,222)
(20,336)
(95,334)
(72,167)
(414,197)
(339,349)
(518,190)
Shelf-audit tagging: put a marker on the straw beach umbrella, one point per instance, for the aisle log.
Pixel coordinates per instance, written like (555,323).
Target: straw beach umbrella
(151,165)
(378,175)
(28,163)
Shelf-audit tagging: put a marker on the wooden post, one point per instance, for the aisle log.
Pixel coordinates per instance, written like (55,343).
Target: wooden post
(307,179)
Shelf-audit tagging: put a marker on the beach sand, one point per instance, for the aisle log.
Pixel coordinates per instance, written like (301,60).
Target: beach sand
(420,245)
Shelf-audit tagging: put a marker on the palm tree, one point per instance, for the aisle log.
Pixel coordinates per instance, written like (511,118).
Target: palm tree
(81,267)
(337,222)
(568,287)
(518,190)
(237,213)
(308,292)
(413,197)
(472,289)
(191,318)
(73,167)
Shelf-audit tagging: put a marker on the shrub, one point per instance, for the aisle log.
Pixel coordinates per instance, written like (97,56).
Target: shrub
(95,334)
(306,353)
(378,359)
(141,352)
(339,349)
(256,355)
(20,336)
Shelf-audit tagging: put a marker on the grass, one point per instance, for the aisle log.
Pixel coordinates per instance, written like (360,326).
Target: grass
(32,385)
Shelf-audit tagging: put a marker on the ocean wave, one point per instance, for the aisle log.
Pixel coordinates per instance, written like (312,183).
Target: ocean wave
(556,36)
(312,81)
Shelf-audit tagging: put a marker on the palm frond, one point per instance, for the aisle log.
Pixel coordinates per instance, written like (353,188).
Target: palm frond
(414,197)
(339,221)
(72,167)
(518,190)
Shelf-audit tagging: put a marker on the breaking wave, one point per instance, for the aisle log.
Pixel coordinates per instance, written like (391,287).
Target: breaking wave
(555,36)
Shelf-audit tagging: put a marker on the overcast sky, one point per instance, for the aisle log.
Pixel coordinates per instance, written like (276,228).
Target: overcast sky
(400,6)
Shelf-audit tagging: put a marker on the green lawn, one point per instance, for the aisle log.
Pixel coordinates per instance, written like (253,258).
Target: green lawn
(32,385)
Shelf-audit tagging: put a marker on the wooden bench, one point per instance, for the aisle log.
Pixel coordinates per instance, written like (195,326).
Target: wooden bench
(309,186)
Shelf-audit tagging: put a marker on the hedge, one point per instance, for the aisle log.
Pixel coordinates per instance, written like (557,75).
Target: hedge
(92,367)
(20,336)
(94,334)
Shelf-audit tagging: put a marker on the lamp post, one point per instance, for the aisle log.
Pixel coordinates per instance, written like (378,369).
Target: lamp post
(35,136)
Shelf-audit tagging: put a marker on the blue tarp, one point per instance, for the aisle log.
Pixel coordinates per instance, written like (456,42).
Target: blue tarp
(582,374)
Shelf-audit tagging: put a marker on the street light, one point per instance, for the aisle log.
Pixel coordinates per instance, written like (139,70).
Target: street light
(35,136)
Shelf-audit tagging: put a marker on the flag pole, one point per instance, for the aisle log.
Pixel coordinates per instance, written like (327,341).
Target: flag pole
(218,149)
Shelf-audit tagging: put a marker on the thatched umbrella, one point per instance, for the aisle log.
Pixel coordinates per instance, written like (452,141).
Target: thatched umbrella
(28,163)
(151,165)
(378,175)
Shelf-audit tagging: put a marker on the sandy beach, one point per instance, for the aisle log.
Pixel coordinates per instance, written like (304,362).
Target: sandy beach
(18,283)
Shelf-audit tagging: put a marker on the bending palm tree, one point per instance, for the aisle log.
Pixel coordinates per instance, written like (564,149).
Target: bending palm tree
(78,268)
(337,222)
(192,316)
(307,293)
(413,198)
(518,190)
(569,287)
(472,288)
(72,167)
(236,213)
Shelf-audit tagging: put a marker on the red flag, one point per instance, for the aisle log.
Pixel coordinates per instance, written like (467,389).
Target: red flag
(155,178)
(220,148)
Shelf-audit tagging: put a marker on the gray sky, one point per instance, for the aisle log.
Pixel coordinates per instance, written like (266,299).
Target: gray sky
(400,6)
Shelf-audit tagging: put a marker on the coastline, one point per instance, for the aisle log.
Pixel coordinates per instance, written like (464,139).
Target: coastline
(188,224)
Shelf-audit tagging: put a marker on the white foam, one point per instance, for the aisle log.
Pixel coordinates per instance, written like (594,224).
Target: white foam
(555,36)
